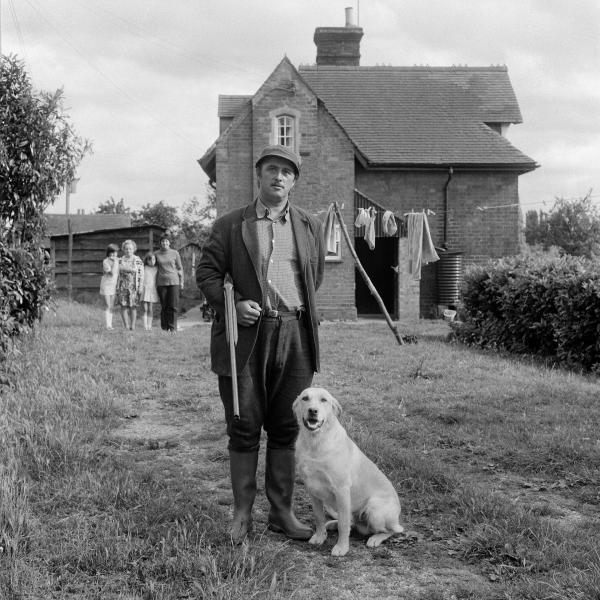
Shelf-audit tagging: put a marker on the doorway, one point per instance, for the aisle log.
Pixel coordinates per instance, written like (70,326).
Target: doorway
(378,263)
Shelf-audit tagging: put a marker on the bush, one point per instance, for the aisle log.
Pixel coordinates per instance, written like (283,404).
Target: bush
(25,287)
(546,306)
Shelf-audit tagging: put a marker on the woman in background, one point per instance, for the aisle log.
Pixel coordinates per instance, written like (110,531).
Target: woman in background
(108,283)
(130,283)
(150,296)
(169,281)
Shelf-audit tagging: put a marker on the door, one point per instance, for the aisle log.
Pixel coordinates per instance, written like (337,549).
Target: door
(378,264)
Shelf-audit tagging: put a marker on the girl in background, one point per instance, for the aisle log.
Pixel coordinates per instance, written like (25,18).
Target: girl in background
(130,283)
(108,283)
(150,295)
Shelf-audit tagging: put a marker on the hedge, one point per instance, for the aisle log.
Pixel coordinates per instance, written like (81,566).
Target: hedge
(25,287)
(546,306)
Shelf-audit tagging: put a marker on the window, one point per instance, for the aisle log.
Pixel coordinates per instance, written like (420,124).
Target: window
(285,131)
(285,127)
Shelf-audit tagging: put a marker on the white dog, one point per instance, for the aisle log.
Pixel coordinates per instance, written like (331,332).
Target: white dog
(339,477)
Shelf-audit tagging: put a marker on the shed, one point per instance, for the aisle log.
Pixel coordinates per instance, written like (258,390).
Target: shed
(57,224)
(89,250)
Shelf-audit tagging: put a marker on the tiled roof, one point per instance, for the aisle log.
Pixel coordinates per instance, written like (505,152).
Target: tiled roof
(422,115)
(230,106)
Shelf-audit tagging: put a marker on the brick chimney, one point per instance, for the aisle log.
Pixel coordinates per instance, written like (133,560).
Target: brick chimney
(339,46)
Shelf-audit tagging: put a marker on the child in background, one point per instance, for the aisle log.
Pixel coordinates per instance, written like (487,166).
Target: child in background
(108,283)
(150,295)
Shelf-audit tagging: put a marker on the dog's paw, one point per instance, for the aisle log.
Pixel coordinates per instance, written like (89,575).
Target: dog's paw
(375,540)
(318,538)
(340,549)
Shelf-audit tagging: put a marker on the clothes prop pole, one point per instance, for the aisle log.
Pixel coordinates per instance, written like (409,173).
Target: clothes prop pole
(231,334)
(364,275)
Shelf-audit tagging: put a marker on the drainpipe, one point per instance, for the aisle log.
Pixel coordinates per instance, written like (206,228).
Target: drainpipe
(445,244)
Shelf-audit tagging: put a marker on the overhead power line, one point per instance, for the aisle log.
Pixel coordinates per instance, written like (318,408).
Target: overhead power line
(213,63)
(136,101)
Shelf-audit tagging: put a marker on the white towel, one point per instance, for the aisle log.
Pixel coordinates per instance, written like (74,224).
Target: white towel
(421,250)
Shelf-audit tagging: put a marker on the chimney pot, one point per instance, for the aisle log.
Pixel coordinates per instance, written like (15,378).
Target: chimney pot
(350,16)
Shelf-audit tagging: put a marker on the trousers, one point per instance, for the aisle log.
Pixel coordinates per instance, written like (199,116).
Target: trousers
(279,368)
(169,303)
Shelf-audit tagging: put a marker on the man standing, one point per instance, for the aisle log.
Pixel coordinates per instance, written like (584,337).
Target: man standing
(274,253)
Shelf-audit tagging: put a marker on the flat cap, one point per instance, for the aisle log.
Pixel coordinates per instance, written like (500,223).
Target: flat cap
(281,152)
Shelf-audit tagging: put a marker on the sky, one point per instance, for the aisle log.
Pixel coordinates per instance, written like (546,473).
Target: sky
(141,78)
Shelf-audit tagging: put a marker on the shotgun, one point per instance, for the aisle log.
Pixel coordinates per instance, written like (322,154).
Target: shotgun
(231,334)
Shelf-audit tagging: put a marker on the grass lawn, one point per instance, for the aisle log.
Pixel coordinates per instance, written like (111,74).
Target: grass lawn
(114,471)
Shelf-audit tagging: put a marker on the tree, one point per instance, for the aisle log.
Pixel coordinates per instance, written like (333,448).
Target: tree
(197,217)
(158,214)
(39,152)
(112,207)
(572,225)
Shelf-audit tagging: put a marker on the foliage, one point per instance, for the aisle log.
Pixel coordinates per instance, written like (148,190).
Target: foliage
(158,213)
(573,226)
(196,218)
(39,152)
(112,207)
(545,306)
(25,286)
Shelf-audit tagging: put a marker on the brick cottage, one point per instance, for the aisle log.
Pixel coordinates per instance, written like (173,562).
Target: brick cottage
(393,138)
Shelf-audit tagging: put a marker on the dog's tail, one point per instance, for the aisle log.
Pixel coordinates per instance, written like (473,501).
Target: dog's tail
(331,525)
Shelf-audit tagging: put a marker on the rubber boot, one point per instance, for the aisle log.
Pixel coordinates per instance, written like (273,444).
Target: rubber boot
(242,466)
(279,485)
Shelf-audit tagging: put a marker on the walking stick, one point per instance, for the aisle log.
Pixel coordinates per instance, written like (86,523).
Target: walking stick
(231,334)
(364,275)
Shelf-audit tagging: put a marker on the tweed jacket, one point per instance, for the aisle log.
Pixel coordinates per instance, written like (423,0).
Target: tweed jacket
(233,248)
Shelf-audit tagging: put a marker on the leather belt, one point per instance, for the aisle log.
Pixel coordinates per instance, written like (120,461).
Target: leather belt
(283,315)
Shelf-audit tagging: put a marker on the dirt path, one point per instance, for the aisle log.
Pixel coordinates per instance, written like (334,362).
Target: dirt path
(177,427)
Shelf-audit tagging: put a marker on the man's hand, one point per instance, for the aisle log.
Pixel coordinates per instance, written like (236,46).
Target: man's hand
(247,311)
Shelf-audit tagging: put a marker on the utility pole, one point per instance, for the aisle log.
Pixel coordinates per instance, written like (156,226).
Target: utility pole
(70,188)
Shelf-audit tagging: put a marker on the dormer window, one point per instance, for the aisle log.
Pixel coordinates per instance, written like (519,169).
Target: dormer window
(285,127)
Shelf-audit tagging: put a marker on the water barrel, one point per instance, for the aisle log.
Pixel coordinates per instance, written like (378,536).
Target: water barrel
(449,277)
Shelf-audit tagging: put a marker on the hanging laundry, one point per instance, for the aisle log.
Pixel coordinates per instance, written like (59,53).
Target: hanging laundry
(362,218)
(329,231)
(388,223)
(421,250)
(370,230)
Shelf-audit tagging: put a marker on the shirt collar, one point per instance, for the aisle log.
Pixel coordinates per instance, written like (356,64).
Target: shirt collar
(264,212)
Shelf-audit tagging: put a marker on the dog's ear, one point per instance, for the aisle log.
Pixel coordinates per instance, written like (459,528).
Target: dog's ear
(337,407)
(298,401)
